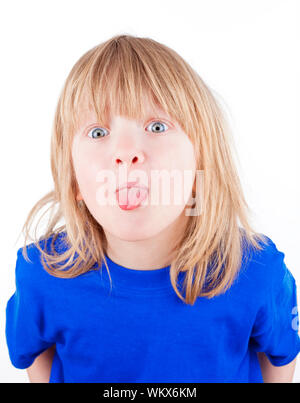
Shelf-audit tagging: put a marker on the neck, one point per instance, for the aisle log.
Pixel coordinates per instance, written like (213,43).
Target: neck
(146,254)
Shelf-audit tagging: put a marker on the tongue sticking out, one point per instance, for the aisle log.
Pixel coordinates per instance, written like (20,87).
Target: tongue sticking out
(129,198)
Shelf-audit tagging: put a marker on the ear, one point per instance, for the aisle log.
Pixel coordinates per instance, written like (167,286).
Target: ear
(79,196)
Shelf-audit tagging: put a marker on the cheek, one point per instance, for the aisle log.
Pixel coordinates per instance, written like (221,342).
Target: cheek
(180,156)
(87,166)
(178,159)
(184,162)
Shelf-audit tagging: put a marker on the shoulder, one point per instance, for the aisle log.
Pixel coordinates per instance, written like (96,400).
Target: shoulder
(264,267)
(267,253)
(29,269)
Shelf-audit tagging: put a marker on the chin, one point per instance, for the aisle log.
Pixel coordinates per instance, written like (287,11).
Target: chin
(134,235)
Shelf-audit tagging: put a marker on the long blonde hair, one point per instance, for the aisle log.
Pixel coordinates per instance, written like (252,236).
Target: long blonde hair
(115,76)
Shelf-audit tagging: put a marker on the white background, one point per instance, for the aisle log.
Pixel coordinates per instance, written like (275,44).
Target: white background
(246,51)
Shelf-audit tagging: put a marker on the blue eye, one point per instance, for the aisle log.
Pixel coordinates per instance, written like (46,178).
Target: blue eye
(157,126)
(97,132)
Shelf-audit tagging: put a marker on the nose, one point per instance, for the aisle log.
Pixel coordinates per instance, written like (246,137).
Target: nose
(128,144)
(129,157)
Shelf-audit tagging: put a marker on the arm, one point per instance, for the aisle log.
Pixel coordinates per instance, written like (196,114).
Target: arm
(39,371)
(273,374)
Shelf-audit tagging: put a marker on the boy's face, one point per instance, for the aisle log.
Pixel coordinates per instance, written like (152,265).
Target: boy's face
(155,152)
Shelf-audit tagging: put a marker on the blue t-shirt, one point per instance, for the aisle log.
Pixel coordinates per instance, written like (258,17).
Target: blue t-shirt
(140,331)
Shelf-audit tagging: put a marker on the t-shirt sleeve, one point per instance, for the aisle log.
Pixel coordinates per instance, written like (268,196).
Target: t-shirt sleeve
(25,318)
(276,329)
